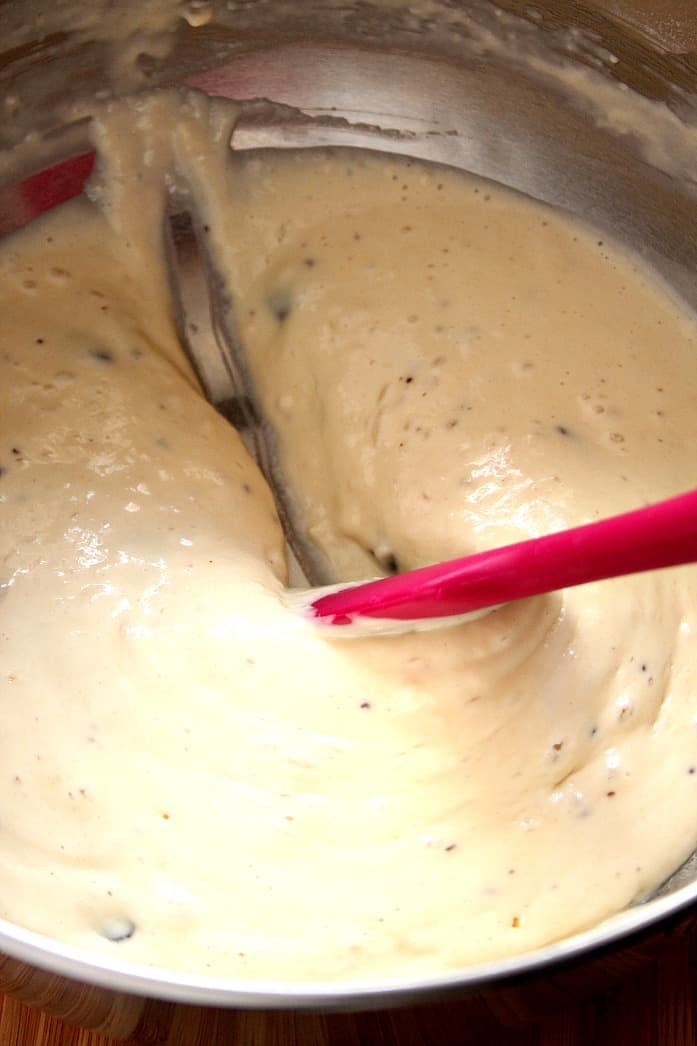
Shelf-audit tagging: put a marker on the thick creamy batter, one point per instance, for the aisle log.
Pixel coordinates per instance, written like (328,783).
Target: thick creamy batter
(192,776)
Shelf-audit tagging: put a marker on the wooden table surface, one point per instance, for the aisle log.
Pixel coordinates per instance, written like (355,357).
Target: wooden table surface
(646,995)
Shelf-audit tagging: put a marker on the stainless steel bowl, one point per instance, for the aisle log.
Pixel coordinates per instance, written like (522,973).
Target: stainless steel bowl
(592,108)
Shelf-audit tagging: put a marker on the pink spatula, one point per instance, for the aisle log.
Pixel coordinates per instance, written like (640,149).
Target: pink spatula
(660,535)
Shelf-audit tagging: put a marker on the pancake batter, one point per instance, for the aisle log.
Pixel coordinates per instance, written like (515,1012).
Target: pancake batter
(191,775)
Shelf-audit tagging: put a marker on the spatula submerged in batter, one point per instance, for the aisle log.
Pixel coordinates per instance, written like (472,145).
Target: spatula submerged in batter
(655,536)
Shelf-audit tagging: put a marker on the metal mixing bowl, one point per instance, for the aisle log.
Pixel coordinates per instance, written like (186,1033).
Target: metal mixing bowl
(590,111)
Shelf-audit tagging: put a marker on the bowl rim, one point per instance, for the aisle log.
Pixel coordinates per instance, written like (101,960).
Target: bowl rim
(179,986)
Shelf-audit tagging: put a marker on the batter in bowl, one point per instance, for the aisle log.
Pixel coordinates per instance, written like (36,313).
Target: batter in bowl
(193,776)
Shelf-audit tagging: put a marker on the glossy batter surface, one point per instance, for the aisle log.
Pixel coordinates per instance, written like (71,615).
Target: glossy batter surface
(191,776)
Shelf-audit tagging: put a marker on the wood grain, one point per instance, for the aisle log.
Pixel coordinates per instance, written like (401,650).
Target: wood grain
(645,995)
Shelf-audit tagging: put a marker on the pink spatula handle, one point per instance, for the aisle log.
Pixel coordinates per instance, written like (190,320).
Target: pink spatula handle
(660,535)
